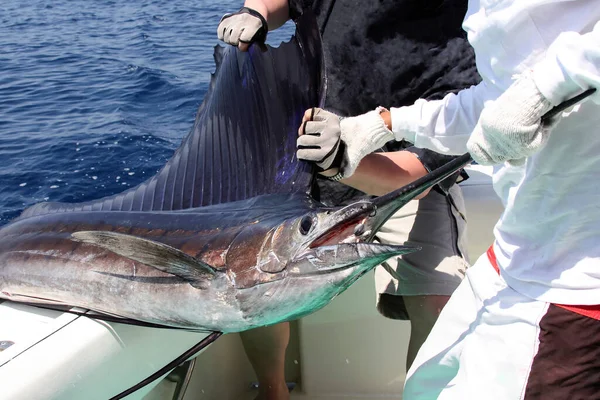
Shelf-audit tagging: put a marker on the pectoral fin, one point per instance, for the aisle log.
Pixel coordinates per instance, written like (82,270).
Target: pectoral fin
(154,254)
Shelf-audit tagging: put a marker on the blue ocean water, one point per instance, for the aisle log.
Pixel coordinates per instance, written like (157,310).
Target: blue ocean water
(96,95)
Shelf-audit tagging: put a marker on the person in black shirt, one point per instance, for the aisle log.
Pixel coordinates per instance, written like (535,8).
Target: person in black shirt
(389,52)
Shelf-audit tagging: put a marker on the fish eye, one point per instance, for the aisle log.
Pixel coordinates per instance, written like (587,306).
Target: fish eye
(306,224)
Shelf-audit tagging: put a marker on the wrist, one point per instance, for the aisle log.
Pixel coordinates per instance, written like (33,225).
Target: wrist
(258,6)
(522,100)
(406,120)
(330,175)
(330,172)
(386,116)
(275,12)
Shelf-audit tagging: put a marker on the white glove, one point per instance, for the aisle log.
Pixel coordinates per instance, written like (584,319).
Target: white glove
(245,26)
(320,136)
(511,129)
(363,135)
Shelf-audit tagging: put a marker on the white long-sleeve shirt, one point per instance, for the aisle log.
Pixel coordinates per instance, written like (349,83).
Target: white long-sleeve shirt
(547,241)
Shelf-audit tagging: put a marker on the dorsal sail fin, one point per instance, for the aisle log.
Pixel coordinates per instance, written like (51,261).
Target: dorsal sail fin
(243,142)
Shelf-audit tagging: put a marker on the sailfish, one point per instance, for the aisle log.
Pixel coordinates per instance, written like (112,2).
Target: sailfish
(228,235)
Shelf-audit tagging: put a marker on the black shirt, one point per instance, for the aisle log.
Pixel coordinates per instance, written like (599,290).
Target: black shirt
(390,53)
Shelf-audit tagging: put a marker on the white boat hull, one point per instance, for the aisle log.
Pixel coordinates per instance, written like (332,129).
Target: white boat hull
(62,356)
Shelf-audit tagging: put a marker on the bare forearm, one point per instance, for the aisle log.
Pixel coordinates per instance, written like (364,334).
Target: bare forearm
(276,12)
(380,173)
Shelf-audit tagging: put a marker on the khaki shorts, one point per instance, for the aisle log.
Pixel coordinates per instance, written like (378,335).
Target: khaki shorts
(435,223)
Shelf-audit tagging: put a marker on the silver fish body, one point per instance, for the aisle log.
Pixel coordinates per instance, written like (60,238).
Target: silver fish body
(264,268)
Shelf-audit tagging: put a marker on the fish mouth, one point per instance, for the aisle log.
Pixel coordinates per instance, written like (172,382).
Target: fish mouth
(360,221)
(334,258)
(345,225)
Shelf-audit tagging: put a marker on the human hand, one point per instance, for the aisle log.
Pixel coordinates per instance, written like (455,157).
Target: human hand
(333,142)
(243,28)
(319,138)
(511,128)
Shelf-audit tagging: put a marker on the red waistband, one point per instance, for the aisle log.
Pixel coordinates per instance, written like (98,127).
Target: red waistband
(589,311)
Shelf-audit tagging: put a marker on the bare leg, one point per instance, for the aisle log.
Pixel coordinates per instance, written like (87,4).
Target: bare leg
(265,348)
(423,311)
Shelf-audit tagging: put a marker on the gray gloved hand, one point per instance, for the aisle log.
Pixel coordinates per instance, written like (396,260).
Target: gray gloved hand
(511,128)
(243,27)
(320,138)
(332,142)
